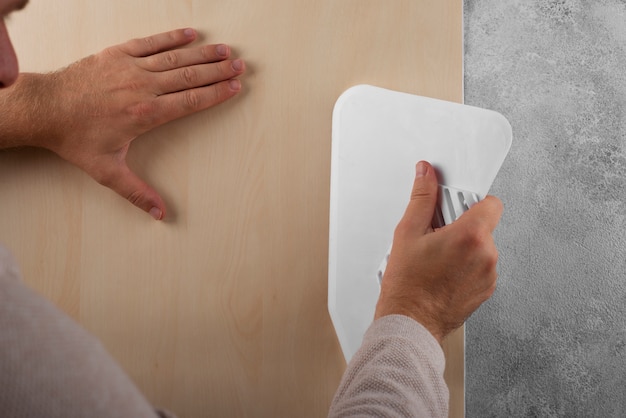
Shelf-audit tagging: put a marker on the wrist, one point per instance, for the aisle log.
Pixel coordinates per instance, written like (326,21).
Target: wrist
(430,326)
(417,307)
(29,112)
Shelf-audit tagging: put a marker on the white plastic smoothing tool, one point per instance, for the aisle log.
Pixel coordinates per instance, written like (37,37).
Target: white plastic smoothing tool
(378,136)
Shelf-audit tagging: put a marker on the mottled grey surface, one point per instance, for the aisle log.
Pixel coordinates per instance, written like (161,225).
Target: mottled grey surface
(552,340)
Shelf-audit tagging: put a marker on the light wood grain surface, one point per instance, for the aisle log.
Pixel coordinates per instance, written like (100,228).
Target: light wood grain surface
(221,309)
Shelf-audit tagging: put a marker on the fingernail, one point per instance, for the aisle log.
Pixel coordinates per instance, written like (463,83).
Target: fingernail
(237,65)
(235,85)
(189,32)
(421,169)
(222,50)
(156,213)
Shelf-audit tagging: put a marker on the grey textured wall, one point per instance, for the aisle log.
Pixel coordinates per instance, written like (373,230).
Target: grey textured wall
(552,340)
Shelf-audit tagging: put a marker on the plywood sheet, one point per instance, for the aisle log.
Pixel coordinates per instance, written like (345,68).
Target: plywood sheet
(221,309)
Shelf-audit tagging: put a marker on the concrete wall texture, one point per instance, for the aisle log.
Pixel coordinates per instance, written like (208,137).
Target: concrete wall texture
(552,340)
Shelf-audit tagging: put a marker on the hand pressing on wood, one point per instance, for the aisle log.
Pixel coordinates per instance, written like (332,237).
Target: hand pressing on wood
(440,277)
(91,111)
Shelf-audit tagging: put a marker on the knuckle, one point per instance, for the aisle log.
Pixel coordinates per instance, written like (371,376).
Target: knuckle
(475,238)
(421,193)
(134,197)
(132,85)
(488,270)
(206,53)
(142,113)
(403,229)
(491,260)
(191,100)
(225,70)
(189,77)
(496,203)
(110,52)
(148,44)
(171,59)
(491,289)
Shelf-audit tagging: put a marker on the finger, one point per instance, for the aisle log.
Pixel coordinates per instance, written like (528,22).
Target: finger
(198,76)
(142,47)
(485,213)
(186,57)
(128,185)
(419,212)
(176,105)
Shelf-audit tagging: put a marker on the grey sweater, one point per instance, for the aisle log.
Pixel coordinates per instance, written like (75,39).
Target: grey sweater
(397,372)
(50,366)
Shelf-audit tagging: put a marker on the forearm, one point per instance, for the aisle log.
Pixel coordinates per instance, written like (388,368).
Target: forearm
(27,109)
(398,371)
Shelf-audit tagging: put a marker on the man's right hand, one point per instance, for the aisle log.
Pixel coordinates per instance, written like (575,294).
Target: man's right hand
(440,277)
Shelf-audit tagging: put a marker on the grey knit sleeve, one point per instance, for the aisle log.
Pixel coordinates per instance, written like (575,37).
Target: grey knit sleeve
(51,367)
(397,372)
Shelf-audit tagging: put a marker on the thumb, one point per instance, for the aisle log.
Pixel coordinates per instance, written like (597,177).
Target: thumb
(128,185)
(419,213)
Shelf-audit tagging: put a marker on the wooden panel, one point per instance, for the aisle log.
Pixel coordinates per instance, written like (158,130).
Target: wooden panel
(221,309)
